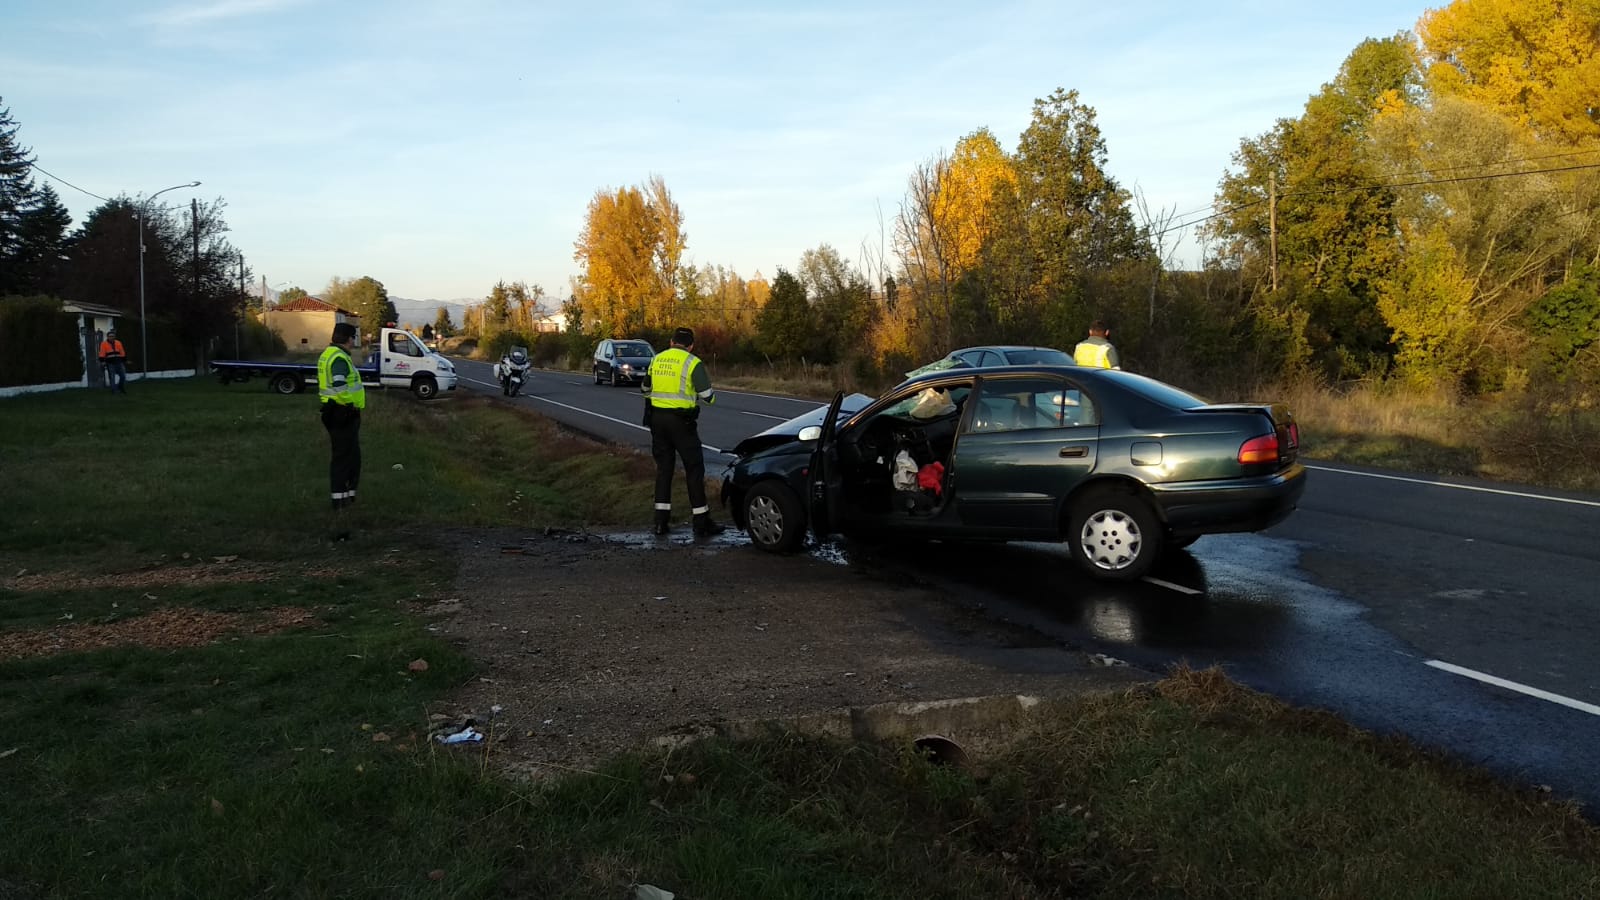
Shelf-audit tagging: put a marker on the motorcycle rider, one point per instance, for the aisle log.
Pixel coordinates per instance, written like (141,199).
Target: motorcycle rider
(513,362)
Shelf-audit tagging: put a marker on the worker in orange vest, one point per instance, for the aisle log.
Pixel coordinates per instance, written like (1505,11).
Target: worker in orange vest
(115,359)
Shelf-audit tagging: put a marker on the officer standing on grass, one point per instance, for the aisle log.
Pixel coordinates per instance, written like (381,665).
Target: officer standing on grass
(343,397)
(674,389)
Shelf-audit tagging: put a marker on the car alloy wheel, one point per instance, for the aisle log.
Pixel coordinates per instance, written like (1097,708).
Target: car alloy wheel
(773,517)
(1115,535)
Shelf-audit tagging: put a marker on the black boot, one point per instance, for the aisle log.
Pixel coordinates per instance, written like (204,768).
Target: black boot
(705,527)
(663,522)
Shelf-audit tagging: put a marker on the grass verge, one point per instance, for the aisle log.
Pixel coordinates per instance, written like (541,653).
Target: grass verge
(214,746)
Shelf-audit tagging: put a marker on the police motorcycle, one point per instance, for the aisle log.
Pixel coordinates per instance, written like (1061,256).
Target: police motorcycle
(512,370)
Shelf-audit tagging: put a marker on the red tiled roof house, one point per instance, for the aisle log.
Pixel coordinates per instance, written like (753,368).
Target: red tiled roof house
(306,323)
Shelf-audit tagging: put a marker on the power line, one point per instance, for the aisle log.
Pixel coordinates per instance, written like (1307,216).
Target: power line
(67,183)
(1377,185)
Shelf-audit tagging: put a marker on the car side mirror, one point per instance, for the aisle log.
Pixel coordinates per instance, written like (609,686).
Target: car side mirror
(810,433)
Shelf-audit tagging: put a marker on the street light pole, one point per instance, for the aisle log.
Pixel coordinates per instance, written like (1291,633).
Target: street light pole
(144,333)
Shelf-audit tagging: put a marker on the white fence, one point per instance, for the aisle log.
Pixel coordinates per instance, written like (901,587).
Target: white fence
(133,378)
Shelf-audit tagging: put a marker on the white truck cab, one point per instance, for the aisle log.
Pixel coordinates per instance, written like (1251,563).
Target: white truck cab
(402,361)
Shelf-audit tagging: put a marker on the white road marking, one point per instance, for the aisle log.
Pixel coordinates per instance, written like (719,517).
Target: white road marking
(586,412)
(771,397)
(1172,587)
(1579,705)
(762,415)
(1460,487)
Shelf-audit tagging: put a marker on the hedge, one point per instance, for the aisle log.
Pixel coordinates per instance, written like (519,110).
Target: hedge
(39,344)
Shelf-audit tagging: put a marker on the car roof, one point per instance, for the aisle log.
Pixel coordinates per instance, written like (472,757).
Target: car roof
(1080,372)
(1004,348)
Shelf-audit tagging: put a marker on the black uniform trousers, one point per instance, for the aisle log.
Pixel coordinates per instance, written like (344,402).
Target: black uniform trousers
(343,423)
(677,431)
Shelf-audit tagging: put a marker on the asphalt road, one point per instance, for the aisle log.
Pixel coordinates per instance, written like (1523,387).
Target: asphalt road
(1464,614)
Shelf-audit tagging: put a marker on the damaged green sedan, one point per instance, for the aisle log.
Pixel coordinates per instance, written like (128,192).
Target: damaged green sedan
(1117,465)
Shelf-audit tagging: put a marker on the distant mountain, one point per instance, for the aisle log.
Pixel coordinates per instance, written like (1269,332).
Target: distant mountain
(422,312)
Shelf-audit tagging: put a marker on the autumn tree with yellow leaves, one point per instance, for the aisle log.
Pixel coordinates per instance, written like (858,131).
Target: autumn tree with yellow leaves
(631,249)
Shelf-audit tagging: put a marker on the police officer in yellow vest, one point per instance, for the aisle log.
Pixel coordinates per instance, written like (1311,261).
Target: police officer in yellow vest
(676,386)
(1096,350)
(343,397)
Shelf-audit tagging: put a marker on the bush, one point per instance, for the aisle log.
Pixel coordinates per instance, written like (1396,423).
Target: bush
(549,348)
(39,344)
(498,344)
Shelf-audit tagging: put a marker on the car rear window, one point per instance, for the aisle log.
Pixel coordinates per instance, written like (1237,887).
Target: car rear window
(1156,391)
(1037,356)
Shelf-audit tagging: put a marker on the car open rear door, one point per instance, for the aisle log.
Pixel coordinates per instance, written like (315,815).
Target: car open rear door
(823,477)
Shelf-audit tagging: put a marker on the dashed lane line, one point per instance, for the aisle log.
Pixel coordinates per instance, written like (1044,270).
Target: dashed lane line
(1486,678)
(1172,587)
(587,412)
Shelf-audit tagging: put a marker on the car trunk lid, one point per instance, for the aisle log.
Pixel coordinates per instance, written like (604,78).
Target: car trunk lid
(1280,423)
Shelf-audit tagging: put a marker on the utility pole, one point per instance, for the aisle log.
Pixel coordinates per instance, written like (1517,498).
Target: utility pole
(1272,223)
(244,302)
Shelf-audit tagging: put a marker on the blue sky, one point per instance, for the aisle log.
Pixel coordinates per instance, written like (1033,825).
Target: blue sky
(441,146)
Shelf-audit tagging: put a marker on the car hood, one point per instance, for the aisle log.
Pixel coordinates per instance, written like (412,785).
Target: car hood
(634,360)
(788,432)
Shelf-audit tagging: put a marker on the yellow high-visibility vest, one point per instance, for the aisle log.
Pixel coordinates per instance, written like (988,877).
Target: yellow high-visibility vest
(672,379)
(1091,353)
(352,392)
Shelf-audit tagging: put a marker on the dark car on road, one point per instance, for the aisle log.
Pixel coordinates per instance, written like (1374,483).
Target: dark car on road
(622,362)
(1117,465)
(985,357)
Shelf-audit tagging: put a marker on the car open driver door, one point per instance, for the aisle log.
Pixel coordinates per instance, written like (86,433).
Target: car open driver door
(824,480)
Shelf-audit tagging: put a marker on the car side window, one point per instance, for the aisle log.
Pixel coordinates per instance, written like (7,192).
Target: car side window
(991,358)
(1020,404)
(970,357)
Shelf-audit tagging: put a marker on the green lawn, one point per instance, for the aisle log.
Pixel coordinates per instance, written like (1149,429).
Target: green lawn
(293,762)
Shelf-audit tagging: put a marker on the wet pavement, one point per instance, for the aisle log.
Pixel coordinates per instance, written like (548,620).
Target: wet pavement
(1242,603)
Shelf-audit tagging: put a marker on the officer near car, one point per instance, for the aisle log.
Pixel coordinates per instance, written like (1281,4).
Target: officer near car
(1096,349)
(343,397)
(675,387)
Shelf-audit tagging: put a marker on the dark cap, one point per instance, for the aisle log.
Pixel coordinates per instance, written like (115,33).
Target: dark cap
(683,337)
(342,332)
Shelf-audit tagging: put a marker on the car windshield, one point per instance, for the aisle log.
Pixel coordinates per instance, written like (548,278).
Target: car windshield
(634,349)
(1038,356)
(1156,391)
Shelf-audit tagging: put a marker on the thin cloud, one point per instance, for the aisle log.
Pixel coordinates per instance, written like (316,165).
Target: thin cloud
(222,10)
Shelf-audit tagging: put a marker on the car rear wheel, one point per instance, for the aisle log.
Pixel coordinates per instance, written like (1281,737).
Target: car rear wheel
(774,517)
(1114,534)
(285,384)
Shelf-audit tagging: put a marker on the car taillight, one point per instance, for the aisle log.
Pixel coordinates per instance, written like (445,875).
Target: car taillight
(1294,434)
(1263,449)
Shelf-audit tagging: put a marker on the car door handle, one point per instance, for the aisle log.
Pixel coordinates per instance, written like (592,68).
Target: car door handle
(1076,451)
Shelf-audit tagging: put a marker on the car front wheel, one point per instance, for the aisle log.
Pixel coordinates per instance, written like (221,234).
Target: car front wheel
(1114,534)
(774,517)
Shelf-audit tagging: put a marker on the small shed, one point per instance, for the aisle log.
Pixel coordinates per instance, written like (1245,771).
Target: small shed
(94,321)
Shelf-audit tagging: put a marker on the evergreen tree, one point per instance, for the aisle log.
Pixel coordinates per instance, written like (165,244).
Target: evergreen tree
(33,223)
